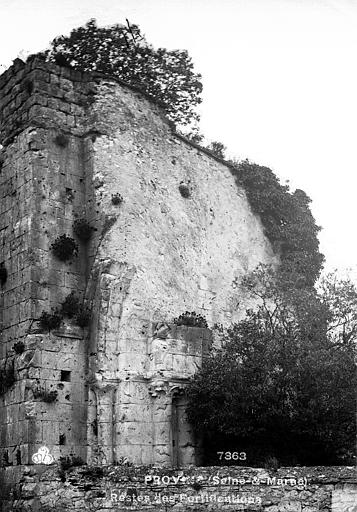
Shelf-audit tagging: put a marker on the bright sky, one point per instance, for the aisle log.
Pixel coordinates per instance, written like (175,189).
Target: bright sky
(279,77)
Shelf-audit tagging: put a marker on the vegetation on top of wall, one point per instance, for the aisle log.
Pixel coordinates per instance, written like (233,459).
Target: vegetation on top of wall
(168,77)
(190,318)
(82,229)
(286,216)
(287,220)
(218,149)
(64,248)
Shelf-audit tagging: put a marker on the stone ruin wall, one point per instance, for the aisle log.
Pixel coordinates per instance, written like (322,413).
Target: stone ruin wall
(208,489)
(151,258)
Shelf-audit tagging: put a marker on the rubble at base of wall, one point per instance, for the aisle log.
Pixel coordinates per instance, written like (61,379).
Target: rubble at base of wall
(123,488)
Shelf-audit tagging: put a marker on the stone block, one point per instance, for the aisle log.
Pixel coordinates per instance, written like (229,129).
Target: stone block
(133,392)
(290,506)
(162,433)
(50,432)
(132,361)
(162,455)
(133,412)
(135,432)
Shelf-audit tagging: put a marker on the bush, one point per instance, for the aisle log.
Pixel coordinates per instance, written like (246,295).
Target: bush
(70,305)
(19,347)
(191,319)
(283,383)
(117,199)
(64,248)
(184,190)
(166,76)
(44,395)
(83,317)
(218,149)
(49,321)
(82,229)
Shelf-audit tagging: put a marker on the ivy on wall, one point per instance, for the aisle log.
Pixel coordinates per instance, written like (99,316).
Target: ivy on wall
(287,220)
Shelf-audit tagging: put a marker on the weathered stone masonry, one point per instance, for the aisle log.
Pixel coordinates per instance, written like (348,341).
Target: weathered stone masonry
(313,489)
(121,381)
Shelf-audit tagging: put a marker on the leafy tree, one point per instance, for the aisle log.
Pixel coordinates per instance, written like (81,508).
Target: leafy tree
(166,75)
(283,383)
(287,220)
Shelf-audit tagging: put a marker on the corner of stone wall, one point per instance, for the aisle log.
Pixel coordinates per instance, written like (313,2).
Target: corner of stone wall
(45,164)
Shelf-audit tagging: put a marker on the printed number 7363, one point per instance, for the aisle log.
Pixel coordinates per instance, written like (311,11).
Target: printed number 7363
(232,455)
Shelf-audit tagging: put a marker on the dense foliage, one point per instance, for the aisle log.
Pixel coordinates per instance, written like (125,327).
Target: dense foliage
(287,221)
(191,319)
(64,248)
(166,75)
(283,384)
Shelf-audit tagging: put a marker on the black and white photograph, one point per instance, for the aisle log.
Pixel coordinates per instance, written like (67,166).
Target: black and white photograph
(178,255)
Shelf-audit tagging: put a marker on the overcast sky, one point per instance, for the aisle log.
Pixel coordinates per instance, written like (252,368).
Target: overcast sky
(279,77)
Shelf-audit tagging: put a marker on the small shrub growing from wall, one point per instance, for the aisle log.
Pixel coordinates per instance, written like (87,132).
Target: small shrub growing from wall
(83,317)
(191,319)
(117,199)
(49,321)
(64,248)
(19,347)
(44,395)
(82,229)
(70,306)
(3,275)
(184,190)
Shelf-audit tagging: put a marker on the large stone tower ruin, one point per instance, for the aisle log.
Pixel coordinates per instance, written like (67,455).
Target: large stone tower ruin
(168,231)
